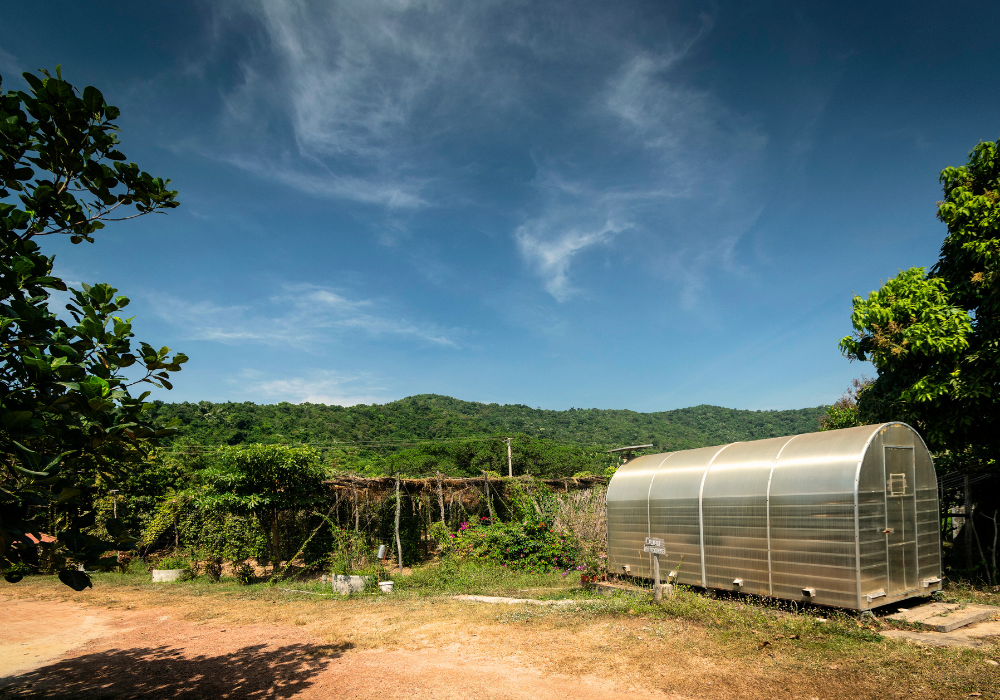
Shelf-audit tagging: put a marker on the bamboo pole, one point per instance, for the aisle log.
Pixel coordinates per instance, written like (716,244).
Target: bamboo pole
(440,497)
(399,542)
(489,501)
(510,462)
(356,514)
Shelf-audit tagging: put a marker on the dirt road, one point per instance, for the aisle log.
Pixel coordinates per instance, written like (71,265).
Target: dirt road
(57,649)
(177,641)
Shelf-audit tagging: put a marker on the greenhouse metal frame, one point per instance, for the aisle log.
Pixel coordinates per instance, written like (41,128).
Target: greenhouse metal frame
(844,518)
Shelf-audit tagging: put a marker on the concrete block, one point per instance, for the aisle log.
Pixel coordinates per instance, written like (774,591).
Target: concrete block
(945,617)
(164,575)
(345,585)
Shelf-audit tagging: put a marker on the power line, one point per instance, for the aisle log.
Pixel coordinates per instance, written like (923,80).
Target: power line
(331,445)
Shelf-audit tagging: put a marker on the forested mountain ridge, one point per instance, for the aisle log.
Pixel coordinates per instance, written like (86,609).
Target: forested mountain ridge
(430,416)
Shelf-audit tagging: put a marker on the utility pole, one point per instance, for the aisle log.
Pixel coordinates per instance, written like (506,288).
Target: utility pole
(510,462)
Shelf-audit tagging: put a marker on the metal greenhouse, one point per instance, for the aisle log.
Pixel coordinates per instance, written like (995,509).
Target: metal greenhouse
(845,518)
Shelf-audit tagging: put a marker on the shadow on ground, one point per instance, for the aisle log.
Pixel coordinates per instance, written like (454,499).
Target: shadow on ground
(163,672)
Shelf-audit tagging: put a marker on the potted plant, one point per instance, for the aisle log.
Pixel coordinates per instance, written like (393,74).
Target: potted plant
(171,568)
(595,569)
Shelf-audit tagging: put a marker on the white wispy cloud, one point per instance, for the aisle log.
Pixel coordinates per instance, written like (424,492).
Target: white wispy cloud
(390,193)
(316,386)
(297,315)
(388,102)
(360,84)
(10,67)
(574,221)
(684,149)
(552,256)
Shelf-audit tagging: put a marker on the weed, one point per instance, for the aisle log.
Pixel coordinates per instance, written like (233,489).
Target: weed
(245,574)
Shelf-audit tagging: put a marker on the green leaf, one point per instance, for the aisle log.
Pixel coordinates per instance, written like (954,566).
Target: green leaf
(14,418)
(93,100)
(115,528)
(35,84)
(67,493)
(77,580)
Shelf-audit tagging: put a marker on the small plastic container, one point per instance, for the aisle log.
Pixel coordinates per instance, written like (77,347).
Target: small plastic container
(165,575)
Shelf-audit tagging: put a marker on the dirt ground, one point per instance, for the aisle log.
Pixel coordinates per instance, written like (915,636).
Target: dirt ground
(170,642)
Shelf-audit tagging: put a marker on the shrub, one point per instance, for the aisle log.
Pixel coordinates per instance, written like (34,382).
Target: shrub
(526,546)
(213,568)
(174,561)
(440,534)
(245,574)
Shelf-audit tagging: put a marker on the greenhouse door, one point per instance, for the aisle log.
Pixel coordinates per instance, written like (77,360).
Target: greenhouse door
(900,519)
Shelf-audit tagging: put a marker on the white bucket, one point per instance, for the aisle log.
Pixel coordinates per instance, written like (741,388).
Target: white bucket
(386,586)
(163,575)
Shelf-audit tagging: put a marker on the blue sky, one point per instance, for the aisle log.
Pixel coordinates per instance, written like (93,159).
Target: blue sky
(642,205)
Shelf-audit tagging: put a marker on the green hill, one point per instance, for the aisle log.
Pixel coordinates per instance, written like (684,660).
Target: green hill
(433,417)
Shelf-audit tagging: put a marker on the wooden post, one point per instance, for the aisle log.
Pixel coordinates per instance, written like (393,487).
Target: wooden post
(967,525)
(440,497)
(274,540)
(399,542)
(489,501)
(657,588)
(426,519)
(356,513)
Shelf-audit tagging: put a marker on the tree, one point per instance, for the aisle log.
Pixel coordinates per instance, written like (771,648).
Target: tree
(844,413)
(68,421)
(934,336)
(263,481)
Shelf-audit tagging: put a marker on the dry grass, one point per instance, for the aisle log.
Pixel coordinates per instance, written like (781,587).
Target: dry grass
(693,646)
(583,516)
(964,593)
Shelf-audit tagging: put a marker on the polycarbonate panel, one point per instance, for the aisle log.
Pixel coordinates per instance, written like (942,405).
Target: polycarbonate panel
(909,575)
(806,512)
(628,515)
(813,543)
(928,519)
(901,519)
(673,510)
(873,564)
(734,512)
